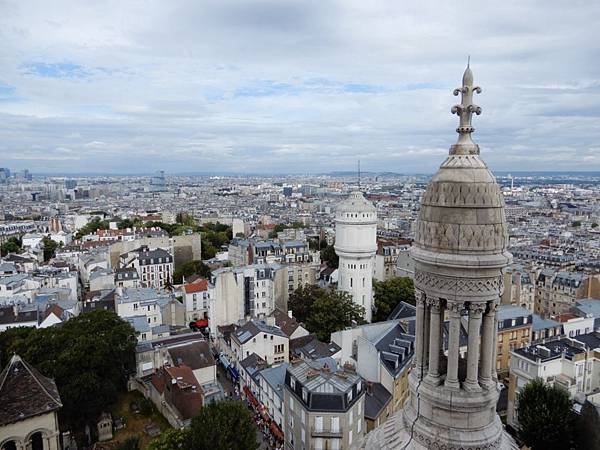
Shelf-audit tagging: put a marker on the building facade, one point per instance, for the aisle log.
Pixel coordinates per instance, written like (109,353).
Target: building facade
(324,407)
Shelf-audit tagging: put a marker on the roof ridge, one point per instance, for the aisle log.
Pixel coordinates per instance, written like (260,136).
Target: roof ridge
(32,371)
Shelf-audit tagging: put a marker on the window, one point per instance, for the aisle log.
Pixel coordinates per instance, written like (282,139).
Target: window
(350,417)
(291,399)
(304,394)
(279,348)
(335,424)
(303,434)
(319,423)
(350,437)
(303,417)
(293,386)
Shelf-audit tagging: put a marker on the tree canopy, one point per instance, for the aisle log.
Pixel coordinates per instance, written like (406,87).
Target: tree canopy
(219,426)
(545,415)
(92,226)
(329,256)
(387,294)
(191,268)
(12,245)
(50,247)
(324,311)
(90,358)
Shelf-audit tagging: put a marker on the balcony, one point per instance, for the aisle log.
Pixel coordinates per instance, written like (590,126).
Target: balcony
(324,433)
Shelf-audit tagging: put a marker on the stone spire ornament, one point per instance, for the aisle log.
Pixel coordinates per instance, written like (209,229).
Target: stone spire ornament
(460,250)
(465,111)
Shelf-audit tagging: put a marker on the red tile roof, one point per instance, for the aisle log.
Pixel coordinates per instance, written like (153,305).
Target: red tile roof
(198,286)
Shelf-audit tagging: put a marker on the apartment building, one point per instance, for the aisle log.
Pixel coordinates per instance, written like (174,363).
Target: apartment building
(196,297)
(154,266)
(324,406)
(572,363)
(514,331)
(266,340)
(557,292)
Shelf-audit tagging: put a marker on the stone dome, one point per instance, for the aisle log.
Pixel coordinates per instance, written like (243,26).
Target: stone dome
(462,210)
(355,203)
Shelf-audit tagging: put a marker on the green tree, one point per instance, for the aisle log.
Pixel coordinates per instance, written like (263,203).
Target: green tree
(131,443)
(594,225)
(577,223)
(12,245)
(222,426)
(191,268)
(329,256)
(171,439)
(545,416)
(90,357)
(387,294)
(92,226)
(587,428)
(185,219)
(302,299)
(50,247)
(333,311)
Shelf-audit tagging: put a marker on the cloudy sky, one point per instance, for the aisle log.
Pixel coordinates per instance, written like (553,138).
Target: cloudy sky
(294,86)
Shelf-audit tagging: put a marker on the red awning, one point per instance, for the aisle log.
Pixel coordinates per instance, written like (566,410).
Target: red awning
(250,397)
(201,323)
(276,431)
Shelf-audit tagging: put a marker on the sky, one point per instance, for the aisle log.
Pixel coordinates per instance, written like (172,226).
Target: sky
(294,86)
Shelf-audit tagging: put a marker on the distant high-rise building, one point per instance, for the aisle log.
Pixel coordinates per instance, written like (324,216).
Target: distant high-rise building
(287,191)
(70,184)
(356,244)
(4,174)
(157,182)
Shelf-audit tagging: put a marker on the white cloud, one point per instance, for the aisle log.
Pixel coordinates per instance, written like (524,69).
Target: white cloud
(294,86)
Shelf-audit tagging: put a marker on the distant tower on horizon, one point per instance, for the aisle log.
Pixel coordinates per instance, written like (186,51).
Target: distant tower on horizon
(356,244)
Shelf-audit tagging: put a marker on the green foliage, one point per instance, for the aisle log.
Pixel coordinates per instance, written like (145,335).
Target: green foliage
(577,223)
(147,408)
(223,426)
(50,247)
(130,223)
(594,225)
(324,311)
(282,226)
(171,439)
(587,428)
(387,295)
(186,219)
(213,235)
(89,357)
(131,443)
(92,226)
(545,416)
(12,245)
(302,299)
(329,256)
(191,268)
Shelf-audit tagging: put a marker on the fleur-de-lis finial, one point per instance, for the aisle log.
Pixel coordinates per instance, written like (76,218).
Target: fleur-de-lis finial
(465,110)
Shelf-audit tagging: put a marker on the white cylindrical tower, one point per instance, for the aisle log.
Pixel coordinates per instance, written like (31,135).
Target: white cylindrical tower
(356,244)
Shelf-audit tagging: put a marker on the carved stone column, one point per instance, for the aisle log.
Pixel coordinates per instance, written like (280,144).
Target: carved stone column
(475,311)
(419,341)
(433,375)
(454,311)
(488,342)
(426,327)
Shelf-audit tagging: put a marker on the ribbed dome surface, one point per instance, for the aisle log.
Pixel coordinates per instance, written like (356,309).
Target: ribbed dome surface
(462,210)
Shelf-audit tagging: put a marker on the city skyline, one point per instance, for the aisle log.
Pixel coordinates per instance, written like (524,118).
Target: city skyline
(225,87)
